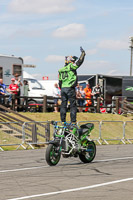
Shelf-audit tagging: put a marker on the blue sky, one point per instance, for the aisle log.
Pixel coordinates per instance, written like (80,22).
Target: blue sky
(43,32)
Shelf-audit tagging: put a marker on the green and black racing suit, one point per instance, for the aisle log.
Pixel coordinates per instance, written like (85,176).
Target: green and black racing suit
(67,83)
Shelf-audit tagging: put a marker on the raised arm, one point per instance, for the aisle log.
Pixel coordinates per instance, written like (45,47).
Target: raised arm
(81,58)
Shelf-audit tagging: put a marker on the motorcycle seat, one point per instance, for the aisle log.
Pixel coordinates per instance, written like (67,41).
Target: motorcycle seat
(84,128)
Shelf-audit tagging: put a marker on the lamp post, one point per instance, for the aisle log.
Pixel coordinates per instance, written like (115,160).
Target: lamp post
(131,46)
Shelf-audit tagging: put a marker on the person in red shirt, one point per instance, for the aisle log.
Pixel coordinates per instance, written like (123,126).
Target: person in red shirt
(13,88)
(88,94)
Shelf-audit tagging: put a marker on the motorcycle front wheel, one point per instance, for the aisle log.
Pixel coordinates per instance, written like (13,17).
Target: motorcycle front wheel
(52,155)
(90,153)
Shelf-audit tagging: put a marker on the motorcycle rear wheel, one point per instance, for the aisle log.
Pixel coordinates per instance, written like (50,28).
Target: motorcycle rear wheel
(52,155)
(90,154)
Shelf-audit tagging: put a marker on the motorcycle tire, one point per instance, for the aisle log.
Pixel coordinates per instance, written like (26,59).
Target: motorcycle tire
(89,155)
(52,155)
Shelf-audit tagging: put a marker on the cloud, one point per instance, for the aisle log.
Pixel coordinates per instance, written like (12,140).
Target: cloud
(91,51)
(70,31)
(54,58)
(29,60)
(97,64)
(113,44)
(24,33)
(41,6)
(96,67)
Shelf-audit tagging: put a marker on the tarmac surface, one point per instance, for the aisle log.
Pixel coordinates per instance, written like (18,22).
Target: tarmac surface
(25,175)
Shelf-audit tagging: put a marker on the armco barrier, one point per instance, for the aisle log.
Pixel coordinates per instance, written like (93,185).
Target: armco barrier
(35,133)
(128,131)
(11,134)
(107,131)
(95,133)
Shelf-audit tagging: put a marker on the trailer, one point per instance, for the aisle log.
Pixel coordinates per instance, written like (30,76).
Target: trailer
(111,86)
(9,66)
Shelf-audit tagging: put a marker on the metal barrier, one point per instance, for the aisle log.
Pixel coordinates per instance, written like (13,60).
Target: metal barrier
(35,133)
(11,134)
(26,134)
(102,132)
(106,131)
(128,131)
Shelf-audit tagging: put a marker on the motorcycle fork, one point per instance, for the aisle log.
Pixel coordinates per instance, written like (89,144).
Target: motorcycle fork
(60,144)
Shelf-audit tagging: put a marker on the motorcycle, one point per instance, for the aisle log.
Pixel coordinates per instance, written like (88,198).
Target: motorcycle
(71,141)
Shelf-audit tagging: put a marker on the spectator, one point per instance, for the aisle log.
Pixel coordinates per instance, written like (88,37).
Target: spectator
(19,83)
(88,94)
(13,89)
(96,92)
(77,88)
(80,94)
(3,90)
(56,94)
(26,89)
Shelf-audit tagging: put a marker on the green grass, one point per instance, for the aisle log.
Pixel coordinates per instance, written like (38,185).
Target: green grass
(109,130)
(80,116)
(6,139)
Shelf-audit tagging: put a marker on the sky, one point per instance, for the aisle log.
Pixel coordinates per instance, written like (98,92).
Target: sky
(43,32)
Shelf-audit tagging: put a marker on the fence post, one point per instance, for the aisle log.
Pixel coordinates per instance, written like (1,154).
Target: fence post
(45,103)
(26,103)
(34,133)
(98,104)
(13,102)
(124,106)
(117,105)
(47,131)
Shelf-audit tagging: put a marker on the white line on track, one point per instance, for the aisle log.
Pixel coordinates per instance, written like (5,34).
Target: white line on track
(31,168)
(74,189)
(113,159)
(22,169)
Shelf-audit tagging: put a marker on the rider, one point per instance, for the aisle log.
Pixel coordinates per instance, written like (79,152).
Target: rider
(67,83)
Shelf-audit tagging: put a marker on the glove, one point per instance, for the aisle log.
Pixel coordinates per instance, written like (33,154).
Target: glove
(81,49)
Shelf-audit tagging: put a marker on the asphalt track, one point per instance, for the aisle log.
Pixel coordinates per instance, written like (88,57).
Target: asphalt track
(26,175)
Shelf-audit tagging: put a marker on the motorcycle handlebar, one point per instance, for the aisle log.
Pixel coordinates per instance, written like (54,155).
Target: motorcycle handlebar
(53,122)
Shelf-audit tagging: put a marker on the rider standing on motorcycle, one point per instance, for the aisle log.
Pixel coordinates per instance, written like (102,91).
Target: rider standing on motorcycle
(67,83)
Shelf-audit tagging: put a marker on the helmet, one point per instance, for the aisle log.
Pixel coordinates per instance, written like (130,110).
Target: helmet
(69,59)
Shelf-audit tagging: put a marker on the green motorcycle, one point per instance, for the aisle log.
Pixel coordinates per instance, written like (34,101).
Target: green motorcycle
(71,141)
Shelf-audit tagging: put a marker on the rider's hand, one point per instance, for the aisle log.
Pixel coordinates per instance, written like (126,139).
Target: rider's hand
(81,49)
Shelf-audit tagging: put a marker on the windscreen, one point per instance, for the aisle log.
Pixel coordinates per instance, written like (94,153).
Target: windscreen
(34,84)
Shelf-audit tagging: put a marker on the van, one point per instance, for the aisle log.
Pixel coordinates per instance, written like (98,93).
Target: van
(35,88)
(48,85)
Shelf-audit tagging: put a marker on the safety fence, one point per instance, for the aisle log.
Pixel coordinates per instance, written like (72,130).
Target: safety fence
(11,134)
(39,132)
(105,131)
(23,134)
(36,133)
(46,104)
